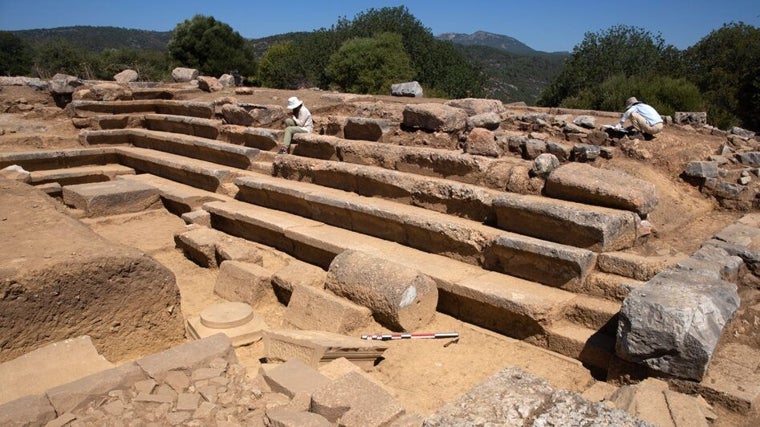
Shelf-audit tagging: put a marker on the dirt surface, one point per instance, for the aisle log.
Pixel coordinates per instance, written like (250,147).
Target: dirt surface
(425,374)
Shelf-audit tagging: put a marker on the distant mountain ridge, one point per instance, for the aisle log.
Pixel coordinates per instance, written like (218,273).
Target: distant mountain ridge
(95,39)
(484,38)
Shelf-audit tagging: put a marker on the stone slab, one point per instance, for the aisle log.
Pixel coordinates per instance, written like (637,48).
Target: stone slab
(316,347)
(584,183)
(83,108)
(49,366)
(178,198)
(189,356)
(111,197)
(75,394)
(80,174)
(352,400)
(32,410)
(294,376)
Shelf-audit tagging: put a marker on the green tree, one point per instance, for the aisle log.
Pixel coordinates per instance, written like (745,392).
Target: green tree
(370,65)
(15,55)
(211,46)
(281,67)
(620,50)
(724,65)
(151,65)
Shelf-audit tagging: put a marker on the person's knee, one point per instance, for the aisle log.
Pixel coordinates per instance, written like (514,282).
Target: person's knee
(290,122)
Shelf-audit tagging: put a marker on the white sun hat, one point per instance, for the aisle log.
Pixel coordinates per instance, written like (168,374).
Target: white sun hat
(294,102)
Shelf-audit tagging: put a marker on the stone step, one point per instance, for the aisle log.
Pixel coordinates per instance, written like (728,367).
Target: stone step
(585,226)
(594,313)
(184,145)
(196,173)
(81,108)
(264,139)
(80,174)
(607,286)
(593,348)
(59,159)
(503,303)
(457,238)
(177,198)
(454,165)
(195,126)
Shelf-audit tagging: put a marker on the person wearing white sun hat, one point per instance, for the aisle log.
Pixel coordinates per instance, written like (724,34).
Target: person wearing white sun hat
(644,118)
(299,123)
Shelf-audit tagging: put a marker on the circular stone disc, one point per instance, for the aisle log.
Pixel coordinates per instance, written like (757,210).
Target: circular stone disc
(226,315)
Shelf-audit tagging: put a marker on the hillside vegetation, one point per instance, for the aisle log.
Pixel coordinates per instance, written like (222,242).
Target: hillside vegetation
(366,54)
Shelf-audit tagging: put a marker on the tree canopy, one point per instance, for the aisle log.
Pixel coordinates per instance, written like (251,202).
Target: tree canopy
(211,46)
(370,65)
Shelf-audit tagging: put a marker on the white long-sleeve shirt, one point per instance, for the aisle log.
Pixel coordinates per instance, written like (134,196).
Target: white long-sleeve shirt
(650,114)
(304,119)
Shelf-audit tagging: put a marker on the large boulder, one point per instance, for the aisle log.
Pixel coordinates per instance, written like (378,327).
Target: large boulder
(433,117)
(184,75)
(412,89)
(400,298)
(580,182)
(209,84)
(106,91)
(62,87)
(673,322)
(126,76)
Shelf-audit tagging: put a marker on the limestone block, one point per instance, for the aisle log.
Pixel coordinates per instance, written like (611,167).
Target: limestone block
(400,298)
(315,309)
(26,411)
(482,142)
(475,106)
(352,400)
(490,121)
(111,197)
(367,129)
(594,228)
(49,366)
(299,273)
(236,115)
(294,376)
(189,356)
(584,183)
(234,319)
(673,322)
(714,262)
(183,75)
(245,282)
(635,266)
(412,89)
(126,76)
(209,84)
(435,117)
(76,394)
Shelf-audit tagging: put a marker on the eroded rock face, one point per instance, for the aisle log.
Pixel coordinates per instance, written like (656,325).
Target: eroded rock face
(60,280)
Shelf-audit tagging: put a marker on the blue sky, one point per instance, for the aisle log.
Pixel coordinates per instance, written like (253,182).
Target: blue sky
(543,25)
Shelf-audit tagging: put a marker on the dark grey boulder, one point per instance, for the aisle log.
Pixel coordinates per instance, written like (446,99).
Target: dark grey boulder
(673,322)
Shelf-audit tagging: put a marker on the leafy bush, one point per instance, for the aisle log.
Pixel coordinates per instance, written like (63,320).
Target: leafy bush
(370,65)
(15,55)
